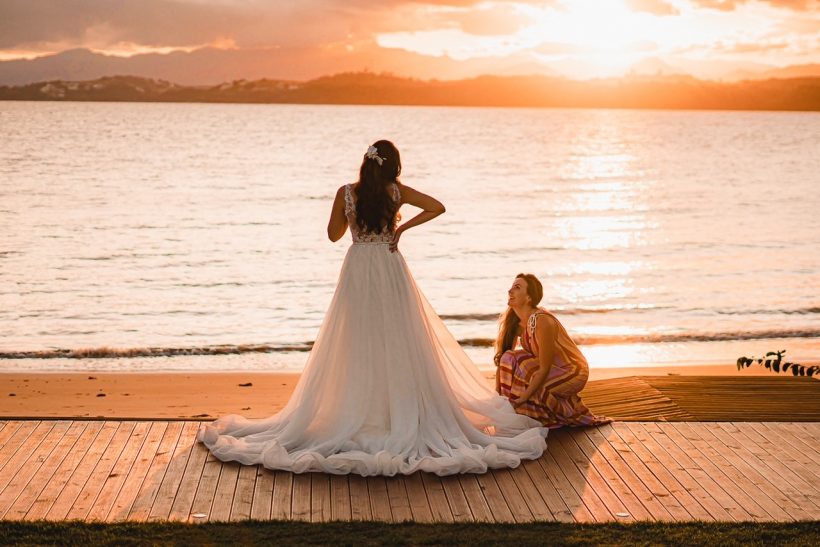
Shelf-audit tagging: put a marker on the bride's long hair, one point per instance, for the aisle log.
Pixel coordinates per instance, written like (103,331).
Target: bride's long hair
(508,322)
(375,207)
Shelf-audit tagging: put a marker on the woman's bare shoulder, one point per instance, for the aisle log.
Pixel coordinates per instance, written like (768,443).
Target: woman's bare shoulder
(545,320)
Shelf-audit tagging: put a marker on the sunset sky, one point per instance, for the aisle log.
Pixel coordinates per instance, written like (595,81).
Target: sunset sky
(575,38)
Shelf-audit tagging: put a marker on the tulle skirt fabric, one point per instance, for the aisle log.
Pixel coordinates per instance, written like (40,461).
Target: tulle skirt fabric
(386,390)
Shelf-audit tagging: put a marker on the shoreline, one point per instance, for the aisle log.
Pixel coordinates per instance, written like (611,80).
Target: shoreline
(208,395)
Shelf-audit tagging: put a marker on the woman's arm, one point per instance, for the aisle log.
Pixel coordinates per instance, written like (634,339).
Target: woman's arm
(337,224)
(545,331)
(431,208)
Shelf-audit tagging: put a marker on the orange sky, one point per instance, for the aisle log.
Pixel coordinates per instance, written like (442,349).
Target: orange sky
(576,38)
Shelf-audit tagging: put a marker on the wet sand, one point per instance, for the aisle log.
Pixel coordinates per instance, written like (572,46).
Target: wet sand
(172,395)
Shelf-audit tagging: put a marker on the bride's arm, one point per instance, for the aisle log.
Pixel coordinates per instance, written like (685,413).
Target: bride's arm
(337,224)
(431,208)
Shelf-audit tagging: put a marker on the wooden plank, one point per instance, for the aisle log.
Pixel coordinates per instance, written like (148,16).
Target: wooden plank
(439,506)
(136,476)
(738,398)
(300,503)
(495,499)
(320,497)
(23,489)
(543,486)
(149,488)
(339,498)
(459,507)
(632,493)
(18,437)
(262,493)
(566,493)
(119,472)
(614,504)
(206,489)
(577,479)
(783,439)
(530,495)
(734,482)
(670,476)
(19,452)
(225,488)
(399,502)
(778,457)
(641,481)
(282,495)
(796,437)
(812,428)
(184,499)
(243,496)
(784,482)
(731,450)
(704,473)
(474,496)
(85,500)
(60,475)
(164,500)
(359,498)
(605,397)
(512,495)
(417,497)
(83,470)
(8,431)
(379,499)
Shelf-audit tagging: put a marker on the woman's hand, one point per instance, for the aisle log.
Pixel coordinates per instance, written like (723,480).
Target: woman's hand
(394,243)
(518,401)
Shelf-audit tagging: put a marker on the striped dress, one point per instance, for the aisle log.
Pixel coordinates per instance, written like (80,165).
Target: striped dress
(557,403)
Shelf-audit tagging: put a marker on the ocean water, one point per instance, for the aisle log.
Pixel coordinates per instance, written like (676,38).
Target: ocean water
(660,237)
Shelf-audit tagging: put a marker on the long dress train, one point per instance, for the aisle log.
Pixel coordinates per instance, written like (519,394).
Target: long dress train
(386,388)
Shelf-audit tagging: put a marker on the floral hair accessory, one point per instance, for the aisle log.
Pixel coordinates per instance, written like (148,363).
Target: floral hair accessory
(373,154)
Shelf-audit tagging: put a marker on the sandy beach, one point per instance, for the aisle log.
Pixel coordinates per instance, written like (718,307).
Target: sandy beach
(207,395)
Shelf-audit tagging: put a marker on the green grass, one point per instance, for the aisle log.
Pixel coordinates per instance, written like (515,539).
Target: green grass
(372,533)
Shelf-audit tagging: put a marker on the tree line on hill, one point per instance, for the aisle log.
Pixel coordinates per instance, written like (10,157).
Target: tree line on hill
(364,88)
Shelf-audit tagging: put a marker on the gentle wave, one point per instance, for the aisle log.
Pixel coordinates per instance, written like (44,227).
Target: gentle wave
(629,309)
(658,338)
(797,311)
(224,349)
(557,311)
(107,352)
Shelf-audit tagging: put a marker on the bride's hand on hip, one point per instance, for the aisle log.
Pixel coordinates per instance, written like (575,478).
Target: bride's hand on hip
(394,243)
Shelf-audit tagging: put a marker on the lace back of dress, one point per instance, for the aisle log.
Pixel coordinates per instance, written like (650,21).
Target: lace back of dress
(350,212)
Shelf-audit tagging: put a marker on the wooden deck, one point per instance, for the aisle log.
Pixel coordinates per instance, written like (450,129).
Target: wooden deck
(674,471)
(706,398)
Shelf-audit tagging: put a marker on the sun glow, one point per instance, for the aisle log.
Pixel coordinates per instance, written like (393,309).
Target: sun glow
(605,36)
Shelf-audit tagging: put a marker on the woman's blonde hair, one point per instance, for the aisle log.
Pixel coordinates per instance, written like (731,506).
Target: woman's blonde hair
(508,321)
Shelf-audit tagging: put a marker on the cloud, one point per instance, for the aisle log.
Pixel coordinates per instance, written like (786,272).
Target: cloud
(655,7)
(163,23)
(492,20)
(730,5)
(753,47)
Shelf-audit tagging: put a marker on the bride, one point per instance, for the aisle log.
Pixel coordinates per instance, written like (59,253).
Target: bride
(386,388)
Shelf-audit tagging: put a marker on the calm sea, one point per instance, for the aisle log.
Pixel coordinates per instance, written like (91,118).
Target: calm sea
(661,237)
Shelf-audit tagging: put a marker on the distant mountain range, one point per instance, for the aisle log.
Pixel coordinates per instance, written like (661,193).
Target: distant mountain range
(212,66)
(661,92)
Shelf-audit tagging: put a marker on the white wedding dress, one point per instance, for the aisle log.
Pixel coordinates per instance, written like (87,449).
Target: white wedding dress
(386,388)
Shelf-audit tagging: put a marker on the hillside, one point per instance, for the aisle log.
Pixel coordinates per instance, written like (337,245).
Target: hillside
(666,92)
